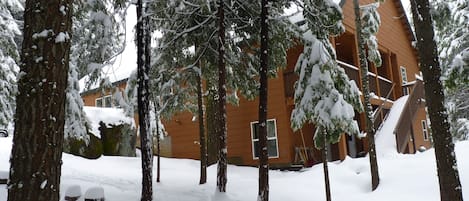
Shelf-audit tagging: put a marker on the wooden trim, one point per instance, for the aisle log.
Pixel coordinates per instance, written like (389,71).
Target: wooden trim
(391,75)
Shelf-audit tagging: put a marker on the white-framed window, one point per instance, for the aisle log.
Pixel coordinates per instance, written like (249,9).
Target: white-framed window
(272,142)
(425,130)
(105,101)
(405,89)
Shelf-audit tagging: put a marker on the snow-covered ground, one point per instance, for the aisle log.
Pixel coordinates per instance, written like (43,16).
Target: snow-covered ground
(403,177)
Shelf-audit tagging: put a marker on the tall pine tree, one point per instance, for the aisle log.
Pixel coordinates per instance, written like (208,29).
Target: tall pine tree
(222,132)
(190,29)
(367,23)
(9,29)
(450,186)
(263,192)
(36,157)
(143,99)
(451,19)
(324,95)
(98,39)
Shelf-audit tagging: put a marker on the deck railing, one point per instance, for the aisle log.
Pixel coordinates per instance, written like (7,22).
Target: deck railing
(385,85)
(380,113)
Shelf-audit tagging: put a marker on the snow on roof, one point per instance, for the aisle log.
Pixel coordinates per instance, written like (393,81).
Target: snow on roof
(108,116)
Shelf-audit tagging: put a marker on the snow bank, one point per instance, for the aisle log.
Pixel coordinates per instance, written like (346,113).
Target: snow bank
(108,116)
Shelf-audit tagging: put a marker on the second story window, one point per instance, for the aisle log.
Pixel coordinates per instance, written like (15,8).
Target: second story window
(425,130)
(405,89)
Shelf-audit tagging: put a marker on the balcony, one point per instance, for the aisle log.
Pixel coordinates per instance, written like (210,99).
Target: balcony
(378,85)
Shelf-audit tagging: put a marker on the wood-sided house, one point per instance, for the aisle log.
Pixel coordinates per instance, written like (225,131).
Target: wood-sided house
(398,76)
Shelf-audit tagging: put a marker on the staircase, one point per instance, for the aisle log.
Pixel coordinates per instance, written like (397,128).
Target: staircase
(404,128)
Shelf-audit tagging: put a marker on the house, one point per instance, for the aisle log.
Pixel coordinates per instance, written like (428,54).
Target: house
(398,76)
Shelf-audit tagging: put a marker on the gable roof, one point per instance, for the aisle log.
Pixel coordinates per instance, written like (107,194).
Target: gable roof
(404,19)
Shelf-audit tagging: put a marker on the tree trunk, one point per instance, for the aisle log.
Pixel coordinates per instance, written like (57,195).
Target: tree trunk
(450,187)
(158,149)
(263,193)
(143,55)
(203,144)
(212,125)
(222,149)
(370,130)
(325,168)
(36,156)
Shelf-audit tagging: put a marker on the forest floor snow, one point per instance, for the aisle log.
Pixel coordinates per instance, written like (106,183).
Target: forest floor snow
(403,177)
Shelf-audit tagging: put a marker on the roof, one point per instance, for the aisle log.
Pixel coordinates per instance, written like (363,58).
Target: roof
(97,89)
(404,19)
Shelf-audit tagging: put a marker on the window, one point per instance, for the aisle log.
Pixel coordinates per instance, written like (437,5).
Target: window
(272,144)
(405,89)
(99,102)
(425,130)
(105,101)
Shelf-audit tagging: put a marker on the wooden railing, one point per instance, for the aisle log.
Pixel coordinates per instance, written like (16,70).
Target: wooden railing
(380,113)
(385,85)
(404,127)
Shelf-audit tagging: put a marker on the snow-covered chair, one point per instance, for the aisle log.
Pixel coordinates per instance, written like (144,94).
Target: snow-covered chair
(3,133)
(94,194)
(73,193)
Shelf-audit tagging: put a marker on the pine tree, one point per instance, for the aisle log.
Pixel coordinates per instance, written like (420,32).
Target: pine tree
(167,96)
(450,187)
(190,30)
(367,23)
(222,132)
(76,122)
(99,27)
(324,95)
(202,139)
(263,193)
(39,125)
(453,42)
(143,67)
(97,41)
(9,29)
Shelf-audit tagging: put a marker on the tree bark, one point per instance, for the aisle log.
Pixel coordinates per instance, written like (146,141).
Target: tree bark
(325,168)
(143,61)
(370,130)
(203,144)
(450,187)
(211,122)
(222,149)
(39,123)
(263,193)
(158,148)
